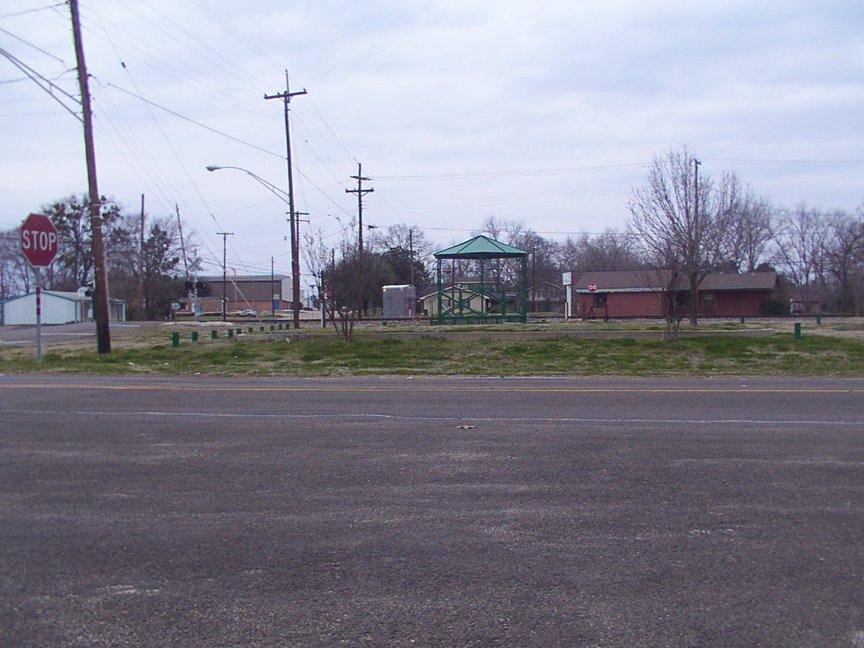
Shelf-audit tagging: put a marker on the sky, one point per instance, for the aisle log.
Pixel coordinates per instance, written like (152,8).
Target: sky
(546,112)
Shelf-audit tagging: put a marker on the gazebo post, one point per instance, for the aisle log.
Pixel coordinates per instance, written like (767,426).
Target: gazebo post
(440,287)
(482,289)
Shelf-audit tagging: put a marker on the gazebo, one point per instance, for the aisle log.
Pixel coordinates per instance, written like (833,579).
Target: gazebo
(486,298)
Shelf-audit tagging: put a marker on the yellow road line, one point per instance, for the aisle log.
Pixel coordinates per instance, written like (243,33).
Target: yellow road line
(420,387)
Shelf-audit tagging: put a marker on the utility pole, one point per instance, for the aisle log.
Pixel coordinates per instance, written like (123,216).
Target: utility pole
(411,252)
(534,278)
(182,242)
(695,261)
(224,236)
(696,164)
(295,240)
(100,273)
(141,264)
(360,191)
(697,223)
(272,285)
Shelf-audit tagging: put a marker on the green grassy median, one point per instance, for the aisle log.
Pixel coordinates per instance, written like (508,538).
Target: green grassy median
(723,353)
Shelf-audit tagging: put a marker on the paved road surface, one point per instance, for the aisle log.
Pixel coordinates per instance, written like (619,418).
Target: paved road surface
(431,512)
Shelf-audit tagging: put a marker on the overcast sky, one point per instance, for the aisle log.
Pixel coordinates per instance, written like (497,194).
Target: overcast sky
(546,112)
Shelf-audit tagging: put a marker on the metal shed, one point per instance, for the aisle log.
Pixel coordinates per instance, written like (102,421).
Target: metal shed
(400,302)
(501,299)
(57,308)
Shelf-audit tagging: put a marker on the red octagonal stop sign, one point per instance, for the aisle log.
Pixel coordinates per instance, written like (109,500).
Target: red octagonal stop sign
(39,240)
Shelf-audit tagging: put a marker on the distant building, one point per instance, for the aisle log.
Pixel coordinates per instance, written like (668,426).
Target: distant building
(57,308)
(645,293)
(256,292)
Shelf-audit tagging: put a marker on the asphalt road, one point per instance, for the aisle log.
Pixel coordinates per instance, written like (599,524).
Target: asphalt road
(431,512)
(60,333)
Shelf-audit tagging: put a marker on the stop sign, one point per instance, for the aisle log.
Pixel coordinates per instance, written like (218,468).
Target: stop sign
(39,240)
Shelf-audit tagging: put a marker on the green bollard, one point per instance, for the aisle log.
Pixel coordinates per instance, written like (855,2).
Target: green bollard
(214,334)
(797,330)
(818,320)
(194,336)
(175,339)
(742,319)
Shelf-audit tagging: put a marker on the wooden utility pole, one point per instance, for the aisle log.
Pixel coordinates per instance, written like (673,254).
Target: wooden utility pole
(360,191)
(141,264)
(695,261)
(411,252)
(295,238)
(224,236)
(273,285)
(182,242)
(100,273)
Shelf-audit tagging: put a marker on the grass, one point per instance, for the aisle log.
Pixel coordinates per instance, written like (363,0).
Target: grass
(512,352)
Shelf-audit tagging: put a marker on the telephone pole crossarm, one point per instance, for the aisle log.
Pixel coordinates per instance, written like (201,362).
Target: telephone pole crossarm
(360,191)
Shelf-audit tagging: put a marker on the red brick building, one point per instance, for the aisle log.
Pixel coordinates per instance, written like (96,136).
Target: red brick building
(645,293)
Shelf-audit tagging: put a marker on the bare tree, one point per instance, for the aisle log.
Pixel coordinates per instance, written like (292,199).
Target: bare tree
(608,251)
(679,220)
(751,233)
(845,260)
(317,255)
(403,236)
(742,227)
(16,276)
(506,272)
(73,266)
(800,238)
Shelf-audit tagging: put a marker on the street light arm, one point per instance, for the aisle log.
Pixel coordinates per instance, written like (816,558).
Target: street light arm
(276,191)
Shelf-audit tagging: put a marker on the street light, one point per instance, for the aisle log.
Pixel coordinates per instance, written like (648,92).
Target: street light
(276,191)
(295,243)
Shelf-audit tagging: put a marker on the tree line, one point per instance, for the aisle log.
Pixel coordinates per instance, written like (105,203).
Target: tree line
(681,219)
(144,271)
(693,224)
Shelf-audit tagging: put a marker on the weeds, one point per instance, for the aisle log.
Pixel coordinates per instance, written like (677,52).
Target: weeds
(319,355)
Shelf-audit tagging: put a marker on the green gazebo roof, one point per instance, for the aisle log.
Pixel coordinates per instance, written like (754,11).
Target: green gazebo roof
(480,247)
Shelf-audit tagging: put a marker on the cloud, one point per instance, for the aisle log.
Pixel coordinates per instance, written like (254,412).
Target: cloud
(540,111)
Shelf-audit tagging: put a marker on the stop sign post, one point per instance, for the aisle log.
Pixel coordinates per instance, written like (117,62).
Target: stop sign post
(39,245)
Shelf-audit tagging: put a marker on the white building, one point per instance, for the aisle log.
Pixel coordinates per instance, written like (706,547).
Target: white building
(57,308)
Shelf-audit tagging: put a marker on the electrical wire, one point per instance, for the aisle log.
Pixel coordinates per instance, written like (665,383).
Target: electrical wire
(46,84)
(36,47)
(193,121)
(29,11)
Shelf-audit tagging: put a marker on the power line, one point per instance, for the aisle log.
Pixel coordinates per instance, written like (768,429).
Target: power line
(187,39)
(36,47)
(193,121)
(237,35)
(506,174)
(46,84)
(29,11)
(181,70)
(769,161)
